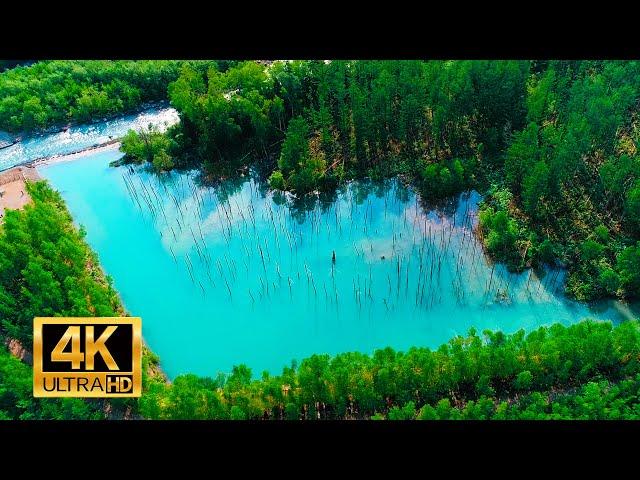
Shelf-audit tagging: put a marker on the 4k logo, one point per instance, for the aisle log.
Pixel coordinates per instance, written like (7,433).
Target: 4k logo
(87,357)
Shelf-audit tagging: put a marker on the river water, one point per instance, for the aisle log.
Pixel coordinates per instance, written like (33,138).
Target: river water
(233,274)
(84,136)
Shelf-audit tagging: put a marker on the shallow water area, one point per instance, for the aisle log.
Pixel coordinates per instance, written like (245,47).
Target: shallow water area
(233,274)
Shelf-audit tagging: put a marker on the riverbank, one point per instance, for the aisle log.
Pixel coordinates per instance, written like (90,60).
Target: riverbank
(77,141)
(68,157)
(64,126)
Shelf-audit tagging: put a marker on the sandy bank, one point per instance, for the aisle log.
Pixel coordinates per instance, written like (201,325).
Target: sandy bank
(69,157)
(13,193)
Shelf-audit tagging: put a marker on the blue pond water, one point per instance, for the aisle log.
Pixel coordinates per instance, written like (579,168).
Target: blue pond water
(232,274)
(83,136)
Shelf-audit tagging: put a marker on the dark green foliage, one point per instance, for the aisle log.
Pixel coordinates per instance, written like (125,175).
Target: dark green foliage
(521,155)
(469,377)
(17,401)
(357,118)
(523,381)
(632,207)
(300,169)
(226,115)
(446,178)
(295,148)
(502,235)
(7,64)
(408,412)
(535,189)
(46,268)
(276,180)
(601,400)
(150,146)
(57,92)
(574,174)
(629,268)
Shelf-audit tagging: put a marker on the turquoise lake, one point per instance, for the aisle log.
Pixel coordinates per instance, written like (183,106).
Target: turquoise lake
(233,274)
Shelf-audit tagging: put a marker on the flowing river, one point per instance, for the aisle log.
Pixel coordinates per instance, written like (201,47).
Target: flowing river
(235,274)
(80,137)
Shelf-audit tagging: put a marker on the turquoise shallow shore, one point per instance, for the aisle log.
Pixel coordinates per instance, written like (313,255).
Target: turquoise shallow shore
(230,275)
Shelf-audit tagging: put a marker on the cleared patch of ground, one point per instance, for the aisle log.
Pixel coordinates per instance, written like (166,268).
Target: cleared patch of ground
(13,192)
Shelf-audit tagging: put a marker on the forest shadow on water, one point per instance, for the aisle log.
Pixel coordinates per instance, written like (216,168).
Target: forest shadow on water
(230,272)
